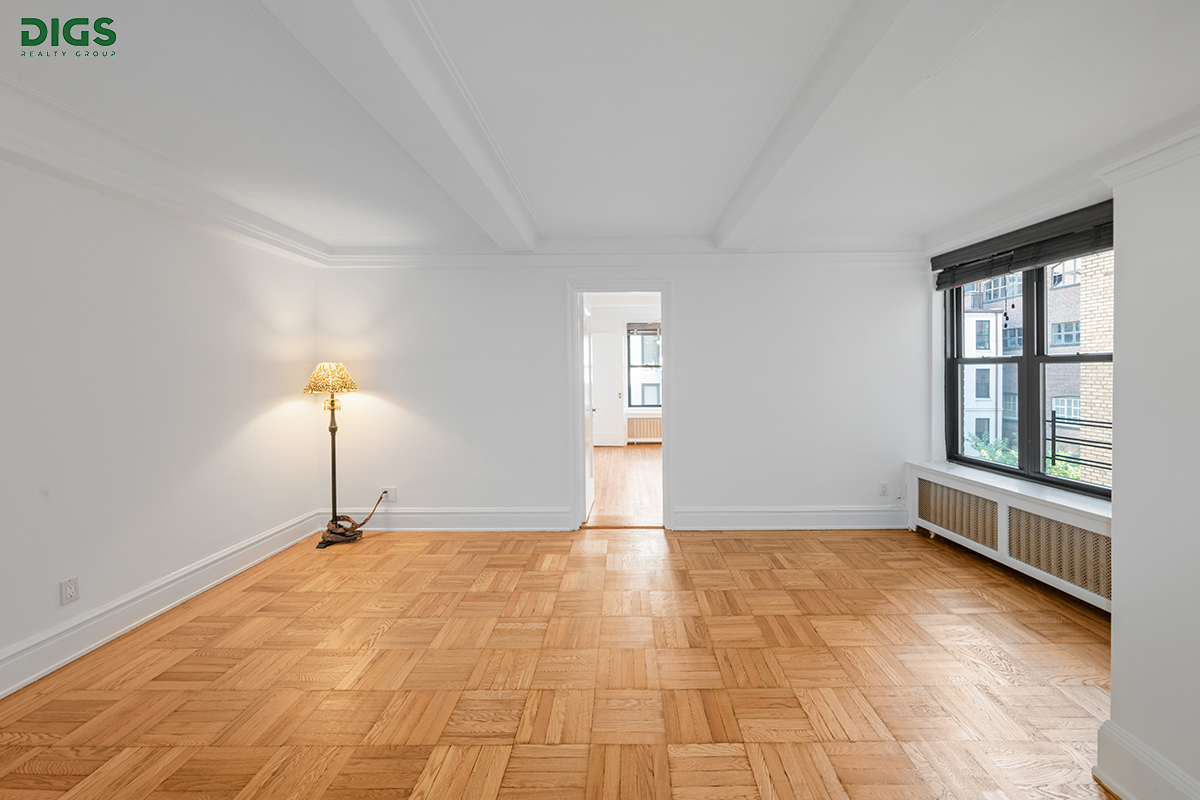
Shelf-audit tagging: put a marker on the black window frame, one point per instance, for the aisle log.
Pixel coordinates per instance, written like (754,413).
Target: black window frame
(1021,252)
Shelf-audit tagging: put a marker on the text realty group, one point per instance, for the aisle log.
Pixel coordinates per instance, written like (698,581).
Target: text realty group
(77,32)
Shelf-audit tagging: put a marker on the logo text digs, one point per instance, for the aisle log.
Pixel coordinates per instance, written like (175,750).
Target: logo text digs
(79,33)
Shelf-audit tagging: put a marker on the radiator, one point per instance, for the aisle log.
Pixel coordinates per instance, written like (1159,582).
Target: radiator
(1044,542)
(644,429)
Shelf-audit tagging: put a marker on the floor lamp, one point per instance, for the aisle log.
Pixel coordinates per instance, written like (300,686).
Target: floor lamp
(333,378)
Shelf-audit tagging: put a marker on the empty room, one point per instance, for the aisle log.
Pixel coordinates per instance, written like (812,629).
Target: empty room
(599,400)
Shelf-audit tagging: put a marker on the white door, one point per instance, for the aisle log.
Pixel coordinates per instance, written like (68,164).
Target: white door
(589,470)
(608,387)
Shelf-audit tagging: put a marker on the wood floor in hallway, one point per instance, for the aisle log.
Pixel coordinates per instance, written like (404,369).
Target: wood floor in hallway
(628,487)
(588,665)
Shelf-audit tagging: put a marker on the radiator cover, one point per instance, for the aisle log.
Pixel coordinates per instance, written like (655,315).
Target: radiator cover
(1078,556)
(966,514)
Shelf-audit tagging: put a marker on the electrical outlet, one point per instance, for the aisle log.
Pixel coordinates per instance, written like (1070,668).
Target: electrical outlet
(68,591)
(389,494)
(883,489)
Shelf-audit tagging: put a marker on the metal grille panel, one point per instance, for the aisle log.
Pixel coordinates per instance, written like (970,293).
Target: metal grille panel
(1076,555)
(962,513)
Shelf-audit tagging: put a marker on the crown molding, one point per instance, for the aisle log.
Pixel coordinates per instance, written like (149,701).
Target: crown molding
(843,259)
(1178,148)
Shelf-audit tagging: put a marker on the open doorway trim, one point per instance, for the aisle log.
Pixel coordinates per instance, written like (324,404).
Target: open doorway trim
(575,432)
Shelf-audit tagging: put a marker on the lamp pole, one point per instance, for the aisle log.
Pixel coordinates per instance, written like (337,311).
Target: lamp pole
(333,403)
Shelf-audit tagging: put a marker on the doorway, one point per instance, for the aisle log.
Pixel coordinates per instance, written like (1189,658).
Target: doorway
(624,398)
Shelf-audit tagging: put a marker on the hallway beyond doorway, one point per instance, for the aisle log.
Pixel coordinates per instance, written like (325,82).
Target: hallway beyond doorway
(628,487)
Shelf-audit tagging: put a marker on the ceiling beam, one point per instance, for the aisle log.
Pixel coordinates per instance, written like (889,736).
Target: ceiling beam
(387,58)
(876,59)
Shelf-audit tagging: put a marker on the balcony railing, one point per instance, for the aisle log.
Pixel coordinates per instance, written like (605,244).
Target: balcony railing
(1061,430)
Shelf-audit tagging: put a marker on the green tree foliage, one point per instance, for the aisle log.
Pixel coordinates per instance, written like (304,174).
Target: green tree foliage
(1000,452)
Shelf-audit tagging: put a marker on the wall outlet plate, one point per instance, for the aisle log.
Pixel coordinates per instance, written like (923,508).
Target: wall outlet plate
(68,591)
(389,494)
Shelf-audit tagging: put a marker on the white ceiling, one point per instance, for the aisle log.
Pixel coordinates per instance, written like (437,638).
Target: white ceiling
(396,131)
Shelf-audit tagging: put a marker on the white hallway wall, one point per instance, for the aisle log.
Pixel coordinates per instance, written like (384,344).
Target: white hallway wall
(152,419)
(1150,748)
(465,406)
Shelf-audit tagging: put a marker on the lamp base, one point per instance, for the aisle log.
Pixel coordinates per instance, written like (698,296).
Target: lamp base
(337,533)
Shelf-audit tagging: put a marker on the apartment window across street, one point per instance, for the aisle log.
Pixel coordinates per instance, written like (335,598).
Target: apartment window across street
(1048,416)
(983,335)
(1064,334)
(1002,288)
(983,383)
(1012,339)
(644,377)
(1064,274)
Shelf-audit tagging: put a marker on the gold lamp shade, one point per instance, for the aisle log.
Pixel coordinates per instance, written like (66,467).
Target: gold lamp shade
(330,378)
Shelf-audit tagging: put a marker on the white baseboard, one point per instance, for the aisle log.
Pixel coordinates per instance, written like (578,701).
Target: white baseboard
(466,519)
(39,655)
(1134,770)
(755,518)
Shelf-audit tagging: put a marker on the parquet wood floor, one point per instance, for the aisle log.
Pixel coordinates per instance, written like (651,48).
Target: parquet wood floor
(593,665)
(628,487)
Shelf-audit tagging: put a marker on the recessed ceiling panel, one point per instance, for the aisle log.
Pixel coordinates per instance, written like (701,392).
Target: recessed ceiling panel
(628,118)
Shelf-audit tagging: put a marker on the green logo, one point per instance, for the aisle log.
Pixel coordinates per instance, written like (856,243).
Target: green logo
(76,32)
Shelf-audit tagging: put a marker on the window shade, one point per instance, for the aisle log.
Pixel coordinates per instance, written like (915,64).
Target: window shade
(1079,233)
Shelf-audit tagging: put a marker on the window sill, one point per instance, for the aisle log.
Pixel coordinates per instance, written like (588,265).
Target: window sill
(1084,511)
(643,412)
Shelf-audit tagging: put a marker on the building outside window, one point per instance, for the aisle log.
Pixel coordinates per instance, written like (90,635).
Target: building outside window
(1013,339)
(1064,334)
(1062,371)
(644,375)
(983,383)
(1066,408)
(983,334)
(1064,274)
(1002,288)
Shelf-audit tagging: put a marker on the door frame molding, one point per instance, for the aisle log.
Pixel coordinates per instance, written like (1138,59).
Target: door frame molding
(575,433)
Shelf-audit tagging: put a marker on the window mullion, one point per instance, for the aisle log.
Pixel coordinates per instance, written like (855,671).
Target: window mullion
(1030,423)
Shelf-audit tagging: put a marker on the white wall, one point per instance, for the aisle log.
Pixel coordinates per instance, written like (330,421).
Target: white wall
(465,392)
(1150,748)
(152,415)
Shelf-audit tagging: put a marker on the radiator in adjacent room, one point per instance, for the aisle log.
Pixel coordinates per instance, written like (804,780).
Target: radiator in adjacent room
(644,429)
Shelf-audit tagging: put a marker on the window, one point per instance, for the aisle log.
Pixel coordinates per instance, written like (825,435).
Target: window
(645,364)
(1066,408)
(1065,274)
(1002,288)
(983,383)
(1064,334)
(983,334)
(1010,405)
(1012,339)
(1039,409)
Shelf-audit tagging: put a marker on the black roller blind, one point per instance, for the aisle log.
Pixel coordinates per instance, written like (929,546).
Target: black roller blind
(1088,230)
